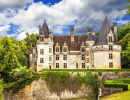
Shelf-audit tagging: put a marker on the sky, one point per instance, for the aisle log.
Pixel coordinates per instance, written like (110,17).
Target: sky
(18,17)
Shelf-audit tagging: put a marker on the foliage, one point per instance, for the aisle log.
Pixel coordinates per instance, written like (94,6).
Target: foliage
(92,80)
(117,85)
(1,87)
(17,73)
(26,44)
(100,73)
(125,43)
(96,70)
(22,81)
(128,12)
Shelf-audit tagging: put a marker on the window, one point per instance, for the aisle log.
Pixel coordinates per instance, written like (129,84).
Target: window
(83,49)
(50,50)
(110,64)
(50,58)
(65,49)
(57,65)
(64,57)
(41,51)
(76,65)
(87,60)
(41,33)
(110,47)
(41,60)
(83,57)
(57,57)
(83,65)
(57,49)
(87,53)
(87,45)
(41,39)
(110,39)
(65,65)
(110,56)
(87,67)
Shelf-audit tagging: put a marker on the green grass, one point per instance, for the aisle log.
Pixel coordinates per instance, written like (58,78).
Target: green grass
(118,96)
(96,70)
(83,99)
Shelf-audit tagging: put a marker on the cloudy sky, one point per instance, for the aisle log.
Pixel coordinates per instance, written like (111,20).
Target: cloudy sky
(20,16)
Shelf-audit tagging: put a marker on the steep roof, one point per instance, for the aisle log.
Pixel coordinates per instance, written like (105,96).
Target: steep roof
(102,37)
(91,37)
(72,45)
(45,28)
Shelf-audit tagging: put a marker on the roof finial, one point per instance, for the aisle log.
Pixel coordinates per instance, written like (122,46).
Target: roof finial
(44,20)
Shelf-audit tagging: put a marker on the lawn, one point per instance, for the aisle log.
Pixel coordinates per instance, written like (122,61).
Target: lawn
(125,95)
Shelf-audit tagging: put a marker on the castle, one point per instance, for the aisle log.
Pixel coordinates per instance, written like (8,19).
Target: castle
(87,51)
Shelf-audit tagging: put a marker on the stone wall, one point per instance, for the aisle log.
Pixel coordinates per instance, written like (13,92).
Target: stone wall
(107,91)
(38,89)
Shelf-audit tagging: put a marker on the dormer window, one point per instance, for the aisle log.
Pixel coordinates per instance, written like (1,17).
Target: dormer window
(57,49)
(110,39)
(65,49)
(87,45)
(41,38)
(83,49)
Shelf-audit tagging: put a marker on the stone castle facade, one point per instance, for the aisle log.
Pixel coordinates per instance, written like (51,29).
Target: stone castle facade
(87,51)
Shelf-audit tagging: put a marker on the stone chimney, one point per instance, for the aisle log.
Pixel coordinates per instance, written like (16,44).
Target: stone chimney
(72,33)
(39,29)
(115,29)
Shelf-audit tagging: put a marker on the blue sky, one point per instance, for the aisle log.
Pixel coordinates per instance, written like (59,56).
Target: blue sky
(17,18)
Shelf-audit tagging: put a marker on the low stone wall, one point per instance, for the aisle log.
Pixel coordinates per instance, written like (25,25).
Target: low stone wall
(38,90)
(107,91)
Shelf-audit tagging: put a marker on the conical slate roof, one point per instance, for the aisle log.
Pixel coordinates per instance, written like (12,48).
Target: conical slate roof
(91,37)
(102,37)
(45,29)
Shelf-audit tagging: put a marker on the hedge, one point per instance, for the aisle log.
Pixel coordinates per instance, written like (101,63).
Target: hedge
(97,70)
(123,80)
(117,85)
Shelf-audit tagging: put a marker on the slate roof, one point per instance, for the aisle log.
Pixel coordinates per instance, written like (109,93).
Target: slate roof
(102,37)
(45,28)
(91,37)
(72,45)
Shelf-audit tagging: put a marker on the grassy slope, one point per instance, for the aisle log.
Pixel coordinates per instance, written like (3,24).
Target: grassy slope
(118,96)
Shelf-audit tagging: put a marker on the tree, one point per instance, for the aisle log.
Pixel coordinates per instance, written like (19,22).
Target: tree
(8,58)
(125,59)
(128,12)
(92,80)
(1,87)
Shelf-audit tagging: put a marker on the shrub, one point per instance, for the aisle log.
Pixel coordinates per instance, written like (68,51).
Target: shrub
(100,73)
(117,85)
(92,80)
(123,80)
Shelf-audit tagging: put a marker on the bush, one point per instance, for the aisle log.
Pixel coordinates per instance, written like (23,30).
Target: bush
(117,85)
(100,73)
(92,80)
(123,80)
(97,70)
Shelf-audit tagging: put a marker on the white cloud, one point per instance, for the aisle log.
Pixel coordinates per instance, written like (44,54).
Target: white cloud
(88,13)
(3,31)
(13,3)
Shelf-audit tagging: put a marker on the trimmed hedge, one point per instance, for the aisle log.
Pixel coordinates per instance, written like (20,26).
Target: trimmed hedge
(97,70)
(117,85)
(123,80)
